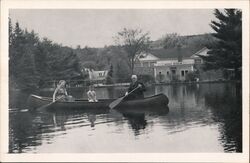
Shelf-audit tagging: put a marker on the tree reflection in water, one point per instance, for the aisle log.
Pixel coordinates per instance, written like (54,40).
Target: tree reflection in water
(228,113)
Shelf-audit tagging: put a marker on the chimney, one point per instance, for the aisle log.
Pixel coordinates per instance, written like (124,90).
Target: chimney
(179,53)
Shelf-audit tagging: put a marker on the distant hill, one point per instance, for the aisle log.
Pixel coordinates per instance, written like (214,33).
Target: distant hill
(174,40)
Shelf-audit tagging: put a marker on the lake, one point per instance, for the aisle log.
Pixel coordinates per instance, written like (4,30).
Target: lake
(201,118)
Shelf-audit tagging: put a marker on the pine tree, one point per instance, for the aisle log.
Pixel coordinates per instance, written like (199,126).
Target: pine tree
(11,34)
(15,52)
(32,61)
(226,53)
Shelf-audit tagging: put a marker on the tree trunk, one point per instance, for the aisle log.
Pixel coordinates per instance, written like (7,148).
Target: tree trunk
(132,67)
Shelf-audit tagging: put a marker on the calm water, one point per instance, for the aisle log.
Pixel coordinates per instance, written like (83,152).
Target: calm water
(201,118)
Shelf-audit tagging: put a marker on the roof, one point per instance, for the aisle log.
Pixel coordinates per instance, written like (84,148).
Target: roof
(185,52)
(147,57)
(203,52)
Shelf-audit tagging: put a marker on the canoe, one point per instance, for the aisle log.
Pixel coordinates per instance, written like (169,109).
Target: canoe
(153,103)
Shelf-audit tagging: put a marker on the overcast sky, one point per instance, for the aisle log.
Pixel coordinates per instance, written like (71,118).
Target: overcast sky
(97,27)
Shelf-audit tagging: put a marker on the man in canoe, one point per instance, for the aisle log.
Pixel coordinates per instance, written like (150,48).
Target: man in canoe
(135,90)
(61,93)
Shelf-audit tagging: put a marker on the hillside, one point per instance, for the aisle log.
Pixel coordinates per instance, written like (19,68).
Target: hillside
(174,40)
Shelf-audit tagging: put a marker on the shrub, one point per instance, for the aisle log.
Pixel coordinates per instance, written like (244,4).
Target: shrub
(146,78)
(191,76)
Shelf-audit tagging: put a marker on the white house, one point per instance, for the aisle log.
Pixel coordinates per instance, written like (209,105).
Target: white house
(96,75)
(202,52)
(170,64)
(146,60)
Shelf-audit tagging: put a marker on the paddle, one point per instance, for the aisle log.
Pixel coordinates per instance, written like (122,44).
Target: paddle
(113,104)
(49,104)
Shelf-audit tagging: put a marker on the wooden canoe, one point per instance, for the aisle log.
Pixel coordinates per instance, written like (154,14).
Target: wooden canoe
(153,103)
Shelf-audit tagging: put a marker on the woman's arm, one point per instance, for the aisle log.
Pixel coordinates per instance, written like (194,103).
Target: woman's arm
(66,93)
(54,94)
(89,95)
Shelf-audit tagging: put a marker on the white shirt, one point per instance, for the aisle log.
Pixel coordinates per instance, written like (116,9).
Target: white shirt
(91,96)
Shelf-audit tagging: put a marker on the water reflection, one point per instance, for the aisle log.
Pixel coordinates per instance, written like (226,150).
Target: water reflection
(212,109)
(92,119)
(226,105)
(137,122)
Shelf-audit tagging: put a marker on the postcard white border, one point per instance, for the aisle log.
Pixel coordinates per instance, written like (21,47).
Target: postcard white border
(124,157)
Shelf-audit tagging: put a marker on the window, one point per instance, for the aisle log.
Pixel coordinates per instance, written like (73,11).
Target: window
(151,64)
(198,60)
(186,71)
(100,74)
(137,64)
(173,71)
(145,64)
(167,72)
(182,73)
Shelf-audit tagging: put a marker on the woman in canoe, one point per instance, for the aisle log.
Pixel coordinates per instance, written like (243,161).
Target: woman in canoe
(61,93)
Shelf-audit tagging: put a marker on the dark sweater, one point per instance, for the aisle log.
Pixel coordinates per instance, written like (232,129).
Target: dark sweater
(138,93)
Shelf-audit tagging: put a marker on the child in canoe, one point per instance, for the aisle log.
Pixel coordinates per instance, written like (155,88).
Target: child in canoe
(91,94)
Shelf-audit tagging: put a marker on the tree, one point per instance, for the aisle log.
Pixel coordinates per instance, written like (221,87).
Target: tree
(121,71)
(171,40)
(32,61)
(109,79)
(227,52)
(22,49)
(89,64)
(11,33)
(133,42)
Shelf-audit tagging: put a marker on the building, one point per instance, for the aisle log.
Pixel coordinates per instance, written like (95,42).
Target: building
(165,65)
(96,76)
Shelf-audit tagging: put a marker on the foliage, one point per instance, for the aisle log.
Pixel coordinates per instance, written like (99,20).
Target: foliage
(109,79)
(174,40)
(227,52)
(102,58)
(191,76)
(133,42)
(89,65)
(146,78)
(121,71)
(32,61)
(160,77)
(22,58)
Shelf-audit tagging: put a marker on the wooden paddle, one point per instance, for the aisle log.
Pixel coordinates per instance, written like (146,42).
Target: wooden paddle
(49,104)
(113,104)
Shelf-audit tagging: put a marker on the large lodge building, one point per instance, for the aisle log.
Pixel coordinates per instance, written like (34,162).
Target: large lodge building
(173,64)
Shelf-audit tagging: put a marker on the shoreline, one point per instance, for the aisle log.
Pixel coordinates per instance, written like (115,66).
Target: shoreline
(127,84)
(198,82)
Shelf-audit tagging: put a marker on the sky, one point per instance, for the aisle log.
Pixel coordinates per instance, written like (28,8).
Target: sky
(98,27)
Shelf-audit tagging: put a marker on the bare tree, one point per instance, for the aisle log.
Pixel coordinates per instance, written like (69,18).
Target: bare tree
(171,40)
(134,42)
